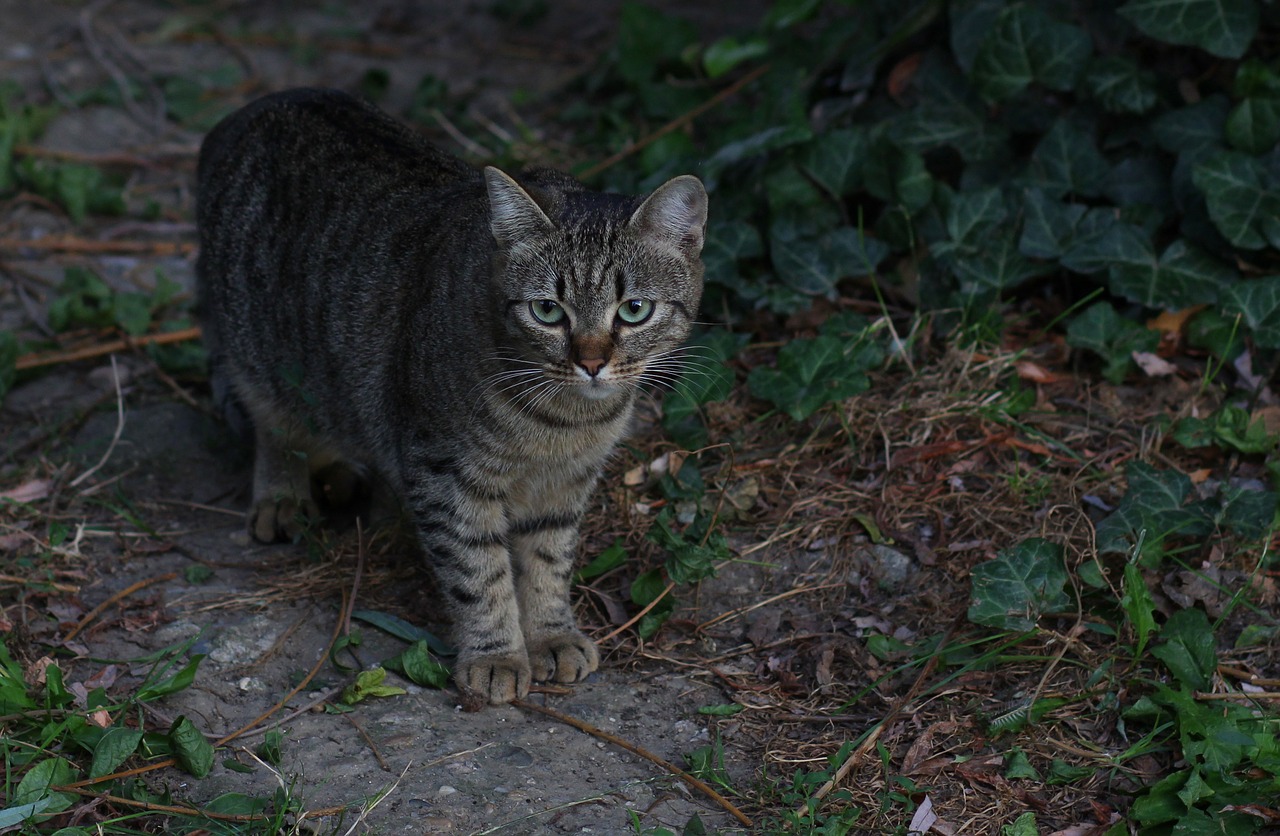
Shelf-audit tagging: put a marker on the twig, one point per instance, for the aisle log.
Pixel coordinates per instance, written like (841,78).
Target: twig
(583,726)
(873,735)
(72,244)
(474,148)
(663,594)
(61,587)
(107,159)
(160,808)
(115,438)
(678,122)
(167,762)
(122,594)
(324,657)
(1263,695)
(31,361)
(373,747)
(800,590)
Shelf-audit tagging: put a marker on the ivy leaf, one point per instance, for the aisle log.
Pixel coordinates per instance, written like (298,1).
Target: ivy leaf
(1243,203)
(755,145)
(813,373)
(647,39)
(1120,85)
(727,243)
(1188,649)
(1153,509)
(1224,28)
(1247,513)
(1253,126)
(1141,180)
(897,175)
(814,266)
(933,125)
(1193,128)
(706,378)
(1112,337)
(1257,301)
(1066,161)
(1102,241)
(1048,226)
(834,159)
(996,268)
(1183,276)
(971,20)
(1027,45)
(728,52)
(1012,591)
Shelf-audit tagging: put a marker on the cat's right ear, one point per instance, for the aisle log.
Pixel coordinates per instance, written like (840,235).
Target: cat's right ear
(513,215)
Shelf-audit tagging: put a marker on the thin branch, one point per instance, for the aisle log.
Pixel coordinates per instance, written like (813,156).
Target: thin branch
(31,361)
(679,122)
(122,594)
(72,244)
(115,438)
(583,726)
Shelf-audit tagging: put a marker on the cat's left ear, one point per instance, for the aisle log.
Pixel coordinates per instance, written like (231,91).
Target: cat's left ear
(677,213)
(513,214)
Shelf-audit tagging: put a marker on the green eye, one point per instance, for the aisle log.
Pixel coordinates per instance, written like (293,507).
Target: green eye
(635,311)
(546,311)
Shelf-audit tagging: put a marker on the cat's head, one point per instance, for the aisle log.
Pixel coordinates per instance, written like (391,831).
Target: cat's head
(599,290)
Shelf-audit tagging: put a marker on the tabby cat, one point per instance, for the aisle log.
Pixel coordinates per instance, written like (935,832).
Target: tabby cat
(476,341)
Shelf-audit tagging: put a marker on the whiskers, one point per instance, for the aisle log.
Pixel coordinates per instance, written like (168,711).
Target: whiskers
(527,385)
(680,368)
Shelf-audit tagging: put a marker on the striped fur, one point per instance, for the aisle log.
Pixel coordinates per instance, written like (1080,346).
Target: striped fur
(369,299)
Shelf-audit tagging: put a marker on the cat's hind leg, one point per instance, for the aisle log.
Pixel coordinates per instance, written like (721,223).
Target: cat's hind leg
(284,457)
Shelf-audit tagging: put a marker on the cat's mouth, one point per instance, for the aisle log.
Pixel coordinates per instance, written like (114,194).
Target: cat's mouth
(596,389)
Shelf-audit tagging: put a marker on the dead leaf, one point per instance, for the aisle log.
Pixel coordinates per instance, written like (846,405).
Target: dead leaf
(922,748)
(1173,322)
(35,673)
(1035,372)
(924,817)
(1153,365)
(32,491)
(903,72)
(100,718)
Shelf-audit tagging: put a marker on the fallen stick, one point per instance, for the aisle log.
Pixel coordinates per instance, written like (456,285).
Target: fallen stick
(132,160)
(584,726)
(31,361)
(122,594)
(679,122)
(71,244)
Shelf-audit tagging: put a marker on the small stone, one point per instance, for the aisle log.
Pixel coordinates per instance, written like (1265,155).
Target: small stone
(436,824)
(444,790)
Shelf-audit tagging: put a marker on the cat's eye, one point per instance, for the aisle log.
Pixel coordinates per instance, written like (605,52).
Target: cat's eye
(635,311)
(546,311)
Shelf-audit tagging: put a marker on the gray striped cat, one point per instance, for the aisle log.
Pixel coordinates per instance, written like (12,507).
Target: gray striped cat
(477,342)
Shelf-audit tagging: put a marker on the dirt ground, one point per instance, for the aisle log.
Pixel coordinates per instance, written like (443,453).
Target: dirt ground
(171,488)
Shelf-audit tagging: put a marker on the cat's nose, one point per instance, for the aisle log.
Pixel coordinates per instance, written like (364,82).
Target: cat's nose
(592,365)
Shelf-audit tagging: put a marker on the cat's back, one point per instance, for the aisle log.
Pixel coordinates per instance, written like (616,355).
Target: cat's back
(311,133)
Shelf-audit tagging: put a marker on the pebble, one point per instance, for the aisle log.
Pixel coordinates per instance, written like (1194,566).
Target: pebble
(444,790)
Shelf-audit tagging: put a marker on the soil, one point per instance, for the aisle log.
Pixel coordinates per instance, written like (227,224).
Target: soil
(172,485)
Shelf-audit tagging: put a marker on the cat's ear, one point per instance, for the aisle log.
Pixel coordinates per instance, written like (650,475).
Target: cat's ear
(676,213)
(513,215)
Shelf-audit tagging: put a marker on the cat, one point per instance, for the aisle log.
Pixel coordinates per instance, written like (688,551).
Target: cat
(476,340)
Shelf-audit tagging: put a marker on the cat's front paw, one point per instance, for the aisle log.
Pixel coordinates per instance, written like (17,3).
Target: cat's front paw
(281,518)
(498,679)
(563,657)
